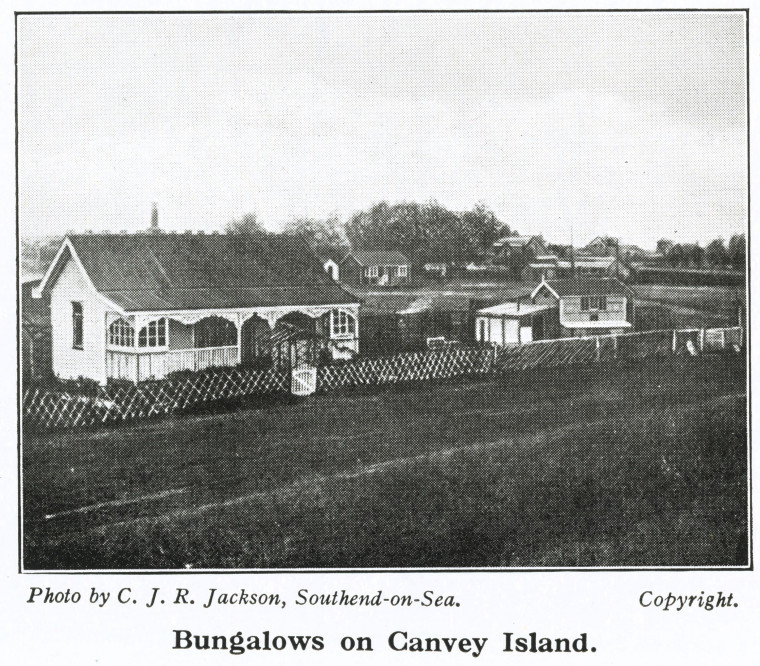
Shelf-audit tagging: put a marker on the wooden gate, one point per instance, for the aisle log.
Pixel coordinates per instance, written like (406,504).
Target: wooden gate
(303,380)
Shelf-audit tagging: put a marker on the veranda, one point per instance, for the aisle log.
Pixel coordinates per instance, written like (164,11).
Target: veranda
(150,345)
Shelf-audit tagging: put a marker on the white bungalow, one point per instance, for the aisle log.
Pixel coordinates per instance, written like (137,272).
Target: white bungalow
(588,306)
(139,306)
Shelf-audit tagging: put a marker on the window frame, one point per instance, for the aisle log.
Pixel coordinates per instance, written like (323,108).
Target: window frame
(121,334)
(156,332)
(342,324)
(77,322)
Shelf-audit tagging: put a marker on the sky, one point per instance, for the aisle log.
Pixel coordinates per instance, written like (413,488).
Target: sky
(622,124)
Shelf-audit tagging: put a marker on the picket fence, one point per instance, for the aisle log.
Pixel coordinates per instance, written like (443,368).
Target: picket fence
(43,408)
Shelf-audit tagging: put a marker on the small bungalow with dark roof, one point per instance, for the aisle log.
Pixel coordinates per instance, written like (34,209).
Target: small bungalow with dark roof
(139,306)
(376,267)
(588,305)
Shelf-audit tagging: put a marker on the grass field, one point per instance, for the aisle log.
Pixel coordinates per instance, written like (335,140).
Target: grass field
(600,466)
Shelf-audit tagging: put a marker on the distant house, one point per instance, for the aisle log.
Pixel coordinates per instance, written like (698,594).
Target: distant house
(517,322)
(604,246)
(517,252)
(375,267)
(139,306)
(437,270)
(550,267)
(588,305)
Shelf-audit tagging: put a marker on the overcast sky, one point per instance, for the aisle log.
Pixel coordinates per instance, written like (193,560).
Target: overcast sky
(631,125)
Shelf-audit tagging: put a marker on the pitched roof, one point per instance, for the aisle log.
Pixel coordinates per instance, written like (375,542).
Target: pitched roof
(586,286)
(511,309)
(195,272)
(379,257)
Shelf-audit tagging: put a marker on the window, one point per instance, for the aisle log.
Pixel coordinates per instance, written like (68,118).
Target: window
(77,317)
(372,272)
(341,323)
(121,334)
(153,334)
(402,271)
(482,330)
(593,303)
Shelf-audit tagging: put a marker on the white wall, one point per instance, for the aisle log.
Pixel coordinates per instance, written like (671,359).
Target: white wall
(90,361)
(499,331)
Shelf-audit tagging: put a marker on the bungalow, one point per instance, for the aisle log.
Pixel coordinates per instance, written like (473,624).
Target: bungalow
(381,268)
(588,305)
(141,306)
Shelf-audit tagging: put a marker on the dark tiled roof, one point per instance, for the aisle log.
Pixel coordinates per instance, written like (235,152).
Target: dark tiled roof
(589,286)
(194,271)
(379,258)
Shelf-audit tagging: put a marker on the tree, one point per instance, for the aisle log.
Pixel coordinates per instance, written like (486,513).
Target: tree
(737,251)
(693,255)
(320,235)
(247,225)
(663,246)
(716,254)
(425,232)
(676,256)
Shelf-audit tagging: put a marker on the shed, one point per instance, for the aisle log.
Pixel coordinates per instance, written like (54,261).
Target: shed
(515,323)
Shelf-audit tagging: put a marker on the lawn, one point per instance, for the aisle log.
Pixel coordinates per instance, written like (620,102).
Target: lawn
(601,466)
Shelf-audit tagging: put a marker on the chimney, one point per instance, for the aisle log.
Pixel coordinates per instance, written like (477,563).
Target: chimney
(154,219)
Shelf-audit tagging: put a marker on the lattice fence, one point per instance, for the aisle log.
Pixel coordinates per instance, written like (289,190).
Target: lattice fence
(411,367)
(545,354)
(44,408)
(51,409)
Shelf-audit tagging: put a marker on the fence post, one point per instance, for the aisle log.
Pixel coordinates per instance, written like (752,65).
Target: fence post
(702,341)
(598,351)
(675,340)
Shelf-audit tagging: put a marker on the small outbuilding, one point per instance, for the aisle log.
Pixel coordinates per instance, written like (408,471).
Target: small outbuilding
(516,323)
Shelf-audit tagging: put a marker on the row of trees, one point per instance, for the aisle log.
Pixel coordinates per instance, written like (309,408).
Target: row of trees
(431,233)
(716,254)
(425,233)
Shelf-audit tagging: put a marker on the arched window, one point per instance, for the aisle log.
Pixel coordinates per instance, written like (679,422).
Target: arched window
(121,334)
(341,323)
(215,332)
(153,334)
